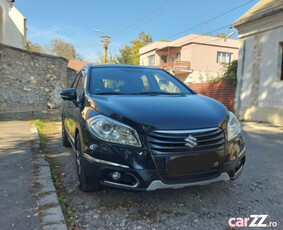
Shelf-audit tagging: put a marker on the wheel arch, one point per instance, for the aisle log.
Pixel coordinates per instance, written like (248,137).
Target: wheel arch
(76,133)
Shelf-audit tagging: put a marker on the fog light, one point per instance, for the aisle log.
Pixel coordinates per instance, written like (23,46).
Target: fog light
(116,176)
(238,165)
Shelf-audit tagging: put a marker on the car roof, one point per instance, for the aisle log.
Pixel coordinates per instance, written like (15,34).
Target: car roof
(122,66)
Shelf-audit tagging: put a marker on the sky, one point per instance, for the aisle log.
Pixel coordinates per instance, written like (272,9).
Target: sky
(75,21)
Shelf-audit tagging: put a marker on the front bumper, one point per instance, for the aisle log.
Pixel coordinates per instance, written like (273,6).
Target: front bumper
(141,170)
(150,180)
(157,184)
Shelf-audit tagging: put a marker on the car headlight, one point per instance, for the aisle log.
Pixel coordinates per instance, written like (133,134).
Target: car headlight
(113,131)
(233,127)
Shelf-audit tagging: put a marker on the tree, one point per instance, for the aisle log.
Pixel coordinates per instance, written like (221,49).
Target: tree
(34,47)
(56,47)
(79,57)
(129,54)
(222,35)
(63,49)
(125,55)
(142,40)
(111,59)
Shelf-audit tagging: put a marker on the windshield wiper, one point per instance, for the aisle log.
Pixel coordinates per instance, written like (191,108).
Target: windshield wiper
(153,93)
(158,93)
(109,93)
(141,93)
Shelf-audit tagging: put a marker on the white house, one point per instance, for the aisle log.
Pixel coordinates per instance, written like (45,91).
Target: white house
(12,25)
(259,94)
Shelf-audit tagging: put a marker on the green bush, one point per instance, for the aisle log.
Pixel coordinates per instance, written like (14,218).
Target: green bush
(230,74)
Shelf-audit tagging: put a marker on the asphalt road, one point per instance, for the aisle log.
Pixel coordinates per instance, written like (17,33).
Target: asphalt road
(259,190)
(17,205)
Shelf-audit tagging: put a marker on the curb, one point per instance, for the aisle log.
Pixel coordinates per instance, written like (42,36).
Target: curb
(50,212)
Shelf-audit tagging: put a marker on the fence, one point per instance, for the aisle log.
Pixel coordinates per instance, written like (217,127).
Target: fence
(220,91)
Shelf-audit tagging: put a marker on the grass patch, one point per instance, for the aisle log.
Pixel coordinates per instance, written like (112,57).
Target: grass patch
(45,128)
(61,192)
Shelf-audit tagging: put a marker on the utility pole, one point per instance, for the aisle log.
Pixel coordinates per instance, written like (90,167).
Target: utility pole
(105,48)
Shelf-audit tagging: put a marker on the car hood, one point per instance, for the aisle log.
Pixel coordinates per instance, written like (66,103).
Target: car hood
(162,111)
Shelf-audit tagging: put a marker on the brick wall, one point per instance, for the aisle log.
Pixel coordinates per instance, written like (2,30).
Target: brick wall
(221,91)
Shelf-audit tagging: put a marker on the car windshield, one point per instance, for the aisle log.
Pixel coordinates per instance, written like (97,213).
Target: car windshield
(123,80)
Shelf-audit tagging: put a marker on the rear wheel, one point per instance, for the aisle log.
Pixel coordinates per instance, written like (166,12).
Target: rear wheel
(65,140)
(83,184)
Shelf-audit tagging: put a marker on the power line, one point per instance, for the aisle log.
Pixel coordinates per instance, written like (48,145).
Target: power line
(209,20)
(167,6)
(151,11)
(204,35)
(146,11)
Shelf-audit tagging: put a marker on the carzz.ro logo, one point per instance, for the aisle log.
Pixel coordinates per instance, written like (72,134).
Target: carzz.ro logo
(252,221)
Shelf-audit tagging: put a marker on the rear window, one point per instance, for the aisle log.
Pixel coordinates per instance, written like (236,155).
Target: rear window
(134,81)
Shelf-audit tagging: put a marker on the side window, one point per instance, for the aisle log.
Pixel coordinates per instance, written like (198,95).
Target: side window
(75,81)
(166,85)
(80,87)
(145,82)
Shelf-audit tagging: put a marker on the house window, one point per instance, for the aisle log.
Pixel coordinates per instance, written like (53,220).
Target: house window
(224,58)
(178,57)
(151,60)
(281,54)
(164,58)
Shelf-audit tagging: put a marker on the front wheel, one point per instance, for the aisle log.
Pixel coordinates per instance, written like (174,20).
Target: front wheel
(83,184)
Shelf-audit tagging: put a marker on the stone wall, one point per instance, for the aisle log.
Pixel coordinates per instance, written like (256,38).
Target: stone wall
(30,81)
(71,77)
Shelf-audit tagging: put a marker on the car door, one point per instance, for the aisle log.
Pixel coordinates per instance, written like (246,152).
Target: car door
(76,105)
(71,107)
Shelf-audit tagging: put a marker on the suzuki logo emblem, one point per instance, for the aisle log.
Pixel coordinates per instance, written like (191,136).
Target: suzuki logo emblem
(191,141)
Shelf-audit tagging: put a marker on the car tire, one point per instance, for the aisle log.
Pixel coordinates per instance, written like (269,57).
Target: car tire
(83,184)
(65,140)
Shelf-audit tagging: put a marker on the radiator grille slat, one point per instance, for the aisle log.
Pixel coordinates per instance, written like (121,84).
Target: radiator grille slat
(173,141)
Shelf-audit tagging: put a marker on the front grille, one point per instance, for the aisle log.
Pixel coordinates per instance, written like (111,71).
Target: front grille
(173,141)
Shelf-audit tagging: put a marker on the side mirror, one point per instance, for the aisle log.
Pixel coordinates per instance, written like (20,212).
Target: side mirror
(69,94)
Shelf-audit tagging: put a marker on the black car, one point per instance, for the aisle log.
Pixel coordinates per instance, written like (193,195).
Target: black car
(140,128)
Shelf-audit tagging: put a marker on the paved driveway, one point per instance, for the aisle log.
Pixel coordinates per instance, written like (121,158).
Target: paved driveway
(259,190)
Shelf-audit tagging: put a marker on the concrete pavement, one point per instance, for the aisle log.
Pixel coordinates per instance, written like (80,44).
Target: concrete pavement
(17,206)
(29,200)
